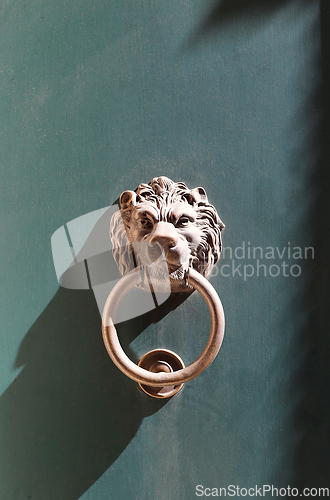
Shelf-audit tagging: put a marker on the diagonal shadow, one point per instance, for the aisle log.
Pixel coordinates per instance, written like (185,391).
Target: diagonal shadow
(312,459)
(70,412)
(225,11)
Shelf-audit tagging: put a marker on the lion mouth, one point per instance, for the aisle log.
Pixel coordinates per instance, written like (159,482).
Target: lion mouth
(167,269)
(176,272)
(162,271)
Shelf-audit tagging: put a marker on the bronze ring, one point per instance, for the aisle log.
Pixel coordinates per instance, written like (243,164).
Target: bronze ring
(116,353)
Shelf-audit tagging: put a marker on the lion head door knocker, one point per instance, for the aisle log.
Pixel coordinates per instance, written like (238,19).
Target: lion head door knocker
(165,236)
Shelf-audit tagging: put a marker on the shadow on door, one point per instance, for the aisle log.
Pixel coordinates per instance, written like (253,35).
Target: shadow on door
(70,412)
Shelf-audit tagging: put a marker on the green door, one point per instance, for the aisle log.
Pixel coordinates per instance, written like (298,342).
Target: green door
(97,97)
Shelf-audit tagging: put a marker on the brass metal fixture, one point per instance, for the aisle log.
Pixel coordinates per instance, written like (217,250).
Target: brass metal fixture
(165,236)
(161,360)
(164,377)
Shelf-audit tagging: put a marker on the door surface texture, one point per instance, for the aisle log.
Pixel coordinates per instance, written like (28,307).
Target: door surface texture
(97,98)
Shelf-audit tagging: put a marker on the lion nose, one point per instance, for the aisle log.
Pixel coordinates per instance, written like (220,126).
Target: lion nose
(164,235)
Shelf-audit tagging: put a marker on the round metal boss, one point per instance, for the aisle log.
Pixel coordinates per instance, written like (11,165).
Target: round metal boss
(161,360)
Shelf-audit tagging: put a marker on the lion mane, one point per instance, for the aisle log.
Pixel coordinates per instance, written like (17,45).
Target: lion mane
(162,193)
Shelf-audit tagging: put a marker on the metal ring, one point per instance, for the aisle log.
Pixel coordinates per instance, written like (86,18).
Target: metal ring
(118,356)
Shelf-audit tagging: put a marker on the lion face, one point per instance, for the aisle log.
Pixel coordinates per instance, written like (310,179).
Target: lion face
(165,222)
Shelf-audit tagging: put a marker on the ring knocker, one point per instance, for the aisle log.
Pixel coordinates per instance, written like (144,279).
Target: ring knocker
(161,373)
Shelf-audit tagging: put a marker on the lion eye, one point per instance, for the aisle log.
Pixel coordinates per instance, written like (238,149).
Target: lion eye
(183,221)
(146,224)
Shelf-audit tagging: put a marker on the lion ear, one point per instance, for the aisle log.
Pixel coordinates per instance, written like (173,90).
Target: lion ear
(199,195)
(127,199)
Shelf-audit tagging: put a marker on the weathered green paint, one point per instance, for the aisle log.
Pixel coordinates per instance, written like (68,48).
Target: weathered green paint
(97,97)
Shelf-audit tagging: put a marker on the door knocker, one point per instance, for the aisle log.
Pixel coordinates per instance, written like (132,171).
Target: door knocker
(165,236)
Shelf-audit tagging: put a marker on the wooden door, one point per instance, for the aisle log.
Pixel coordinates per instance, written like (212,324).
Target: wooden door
(97,97)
